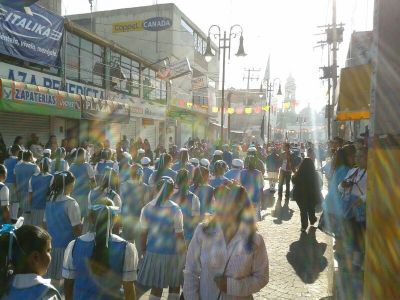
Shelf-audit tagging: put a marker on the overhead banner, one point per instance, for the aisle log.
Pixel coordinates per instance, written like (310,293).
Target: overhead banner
(176,69)
(35,38)
(105,110)
(32,99)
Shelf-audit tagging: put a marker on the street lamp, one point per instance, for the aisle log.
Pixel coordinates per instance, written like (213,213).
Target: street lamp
(270,89)
(301,120)
(224,43)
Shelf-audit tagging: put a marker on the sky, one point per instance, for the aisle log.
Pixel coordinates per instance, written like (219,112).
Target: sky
(285,30)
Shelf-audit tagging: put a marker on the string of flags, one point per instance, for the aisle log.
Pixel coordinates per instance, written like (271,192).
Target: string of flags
(237,110)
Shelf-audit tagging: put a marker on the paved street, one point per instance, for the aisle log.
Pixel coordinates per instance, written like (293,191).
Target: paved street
(301,265)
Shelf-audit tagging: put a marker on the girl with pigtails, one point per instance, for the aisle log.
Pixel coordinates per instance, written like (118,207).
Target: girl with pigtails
(98,263)
(85,180)
(108,188)
(39,188)
(59,164)
(24,259)
(163,243)
(62,219)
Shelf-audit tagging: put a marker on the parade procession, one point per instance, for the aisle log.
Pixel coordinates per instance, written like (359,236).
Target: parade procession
(157,149)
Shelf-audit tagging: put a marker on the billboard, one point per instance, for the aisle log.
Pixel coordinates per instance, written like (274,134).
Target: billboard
(35,38)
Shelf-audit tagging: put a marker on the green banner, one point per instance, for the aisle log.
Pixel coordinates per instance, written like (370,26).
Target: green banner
(26,98)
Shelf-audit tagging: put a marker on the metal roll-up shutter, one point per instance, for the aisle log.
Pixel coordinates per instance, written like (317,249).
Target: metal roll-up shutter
(12,124)
(149,131)
(129,129)
(114,134)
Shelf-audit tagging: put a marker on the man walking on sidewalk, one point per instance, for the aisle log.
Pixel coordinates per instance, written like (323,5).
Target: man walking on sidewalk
(285,174)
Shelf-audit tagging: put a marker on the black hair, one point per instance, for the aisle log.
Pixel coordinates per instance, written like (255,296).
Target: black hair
(80,156)
(219,167)
(60,182)
(45,165)
(59,153)
(99,262)
(182,181)
(105,154)
(251,162)
(3,170)
(27,155)
(17,140)
(20,153)
(165,188)
(15,149)
(26,240)
(110,180)
(165,160)
(200,176)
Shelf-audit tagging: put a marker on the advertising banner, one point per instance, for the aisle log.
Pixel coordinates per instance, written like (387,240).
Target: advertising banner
(106,110)
(32,99)
(152,24)
(35,38)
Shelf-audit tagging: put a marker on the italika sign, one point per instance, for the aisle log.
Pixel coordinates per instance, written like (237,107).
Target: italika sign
(36,38)
(152,24)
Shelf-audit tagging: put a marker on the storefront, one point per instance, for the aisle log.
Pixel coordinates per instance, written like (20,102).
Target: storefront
(103,120)
(26,109)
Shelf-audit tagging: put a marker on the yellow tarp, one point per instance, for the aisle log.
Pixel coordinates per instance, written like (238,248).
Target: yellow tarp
(354,95)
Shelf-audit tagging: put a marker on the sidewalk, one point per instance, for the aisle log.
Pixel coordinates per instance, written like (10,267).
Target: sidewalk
(301,264)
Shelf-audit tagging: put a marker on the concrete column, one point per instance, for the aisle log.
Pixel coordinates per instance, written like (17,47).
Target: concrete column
(382,266)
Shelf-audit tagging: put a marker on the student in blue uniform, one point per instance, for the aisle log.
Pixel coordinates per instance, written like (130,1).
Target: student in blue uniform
(147,171)
(103,164)
(108,188)
(163,170)
(23,173)
(124,167)
(98,263)
(135,195)
(39,188)
(203,190)
(189,204)
(163,243)
(59,163)
(24,259)
(62,219)
(4,197)
(219,179)
(216,157)
(183,162)
(10,164)
(85,180)
(234,173)
(253,180)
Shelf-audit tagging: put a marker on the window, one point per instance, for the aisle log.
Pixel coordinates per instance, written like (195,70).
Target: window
(154,89)
(125,74)
(84,60)
(186,26)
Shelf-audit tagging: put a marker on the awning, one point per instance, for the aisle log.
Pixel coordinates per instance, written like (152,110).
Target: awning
(20,97)
(104,110)
(354,94)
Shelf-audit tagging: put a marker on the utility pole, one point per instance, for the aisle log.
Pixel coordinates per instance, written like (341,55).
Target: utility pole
(334,36)
(249,78)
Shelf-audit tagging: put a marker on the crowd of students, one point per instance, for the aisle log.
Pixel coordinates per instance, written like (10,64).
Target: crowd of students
(97,226)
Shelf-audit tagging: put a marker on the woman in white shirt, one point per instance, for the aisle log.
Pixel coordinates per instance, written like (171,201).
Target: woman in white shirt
(227,258)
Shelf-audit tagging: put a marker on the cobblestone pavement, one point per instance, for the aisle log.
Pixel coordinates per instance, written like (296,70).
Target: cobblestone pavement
(301,264)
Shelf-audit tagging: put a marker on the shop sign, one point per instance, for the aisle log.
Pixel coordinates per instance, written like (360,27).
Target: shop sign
(177,69)
(106,110)
(24,75)
(36,38)
(151,24)
(200,82)
(20,97)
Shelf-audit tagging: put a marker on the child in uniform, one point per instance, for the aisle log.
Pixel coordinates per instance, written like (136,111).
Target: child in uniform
(24,259)
(163,243)
(59,164)
(62,219)
(10,164)
(97,263)
(4,197)
(39,188)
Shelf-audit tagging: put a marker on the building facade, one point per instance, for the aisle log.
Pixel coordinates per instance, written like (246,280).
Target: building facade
(165,36)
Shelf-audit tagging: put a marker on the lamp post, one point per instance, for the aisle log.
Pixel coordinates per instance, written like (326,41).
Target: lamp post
(224,43)
(269,91)
(301,120)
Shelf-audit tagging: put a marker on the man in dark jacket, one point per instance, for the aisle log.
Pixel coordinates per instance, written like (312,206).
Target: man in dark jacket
(287,167)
